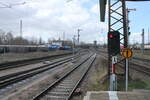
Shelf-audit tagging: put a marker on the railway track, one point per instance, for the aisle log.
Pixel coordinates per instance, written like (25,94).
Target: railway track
(15,64)
(135,66)
(140,68)
(142,59)
(19,76)
(135,58)
(63,88)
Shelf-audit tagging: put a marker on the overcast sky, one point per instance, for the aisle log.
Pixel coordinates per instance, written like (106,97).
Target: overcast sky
(50,18)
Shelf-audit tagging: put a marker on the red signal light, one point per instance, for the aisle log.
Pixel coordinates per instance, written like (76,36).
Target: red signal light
(113,42)
(110,36)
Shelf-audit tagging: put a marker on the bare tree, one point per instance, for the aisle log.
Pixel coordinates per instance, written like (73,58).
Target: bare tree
(33,41)
(41,41)
(49,41)
(9,38)
(2,37)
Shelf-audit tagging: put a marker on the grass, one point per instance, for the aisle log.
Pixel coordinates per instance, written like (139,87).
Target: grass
(137,53)
(96,84)
(137,85)
(134,84)
(95,81)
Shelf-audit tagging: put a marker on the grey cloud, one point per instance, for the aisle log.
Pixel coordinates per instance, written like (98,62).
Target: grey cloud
(51,18)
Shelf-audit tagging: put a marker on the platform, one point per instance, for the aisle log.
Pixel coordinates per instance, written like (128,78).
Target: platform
(113,95)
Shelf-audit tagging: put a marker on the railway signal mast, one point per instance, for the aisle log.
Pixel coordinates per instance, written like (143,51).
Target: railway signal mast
(117,22)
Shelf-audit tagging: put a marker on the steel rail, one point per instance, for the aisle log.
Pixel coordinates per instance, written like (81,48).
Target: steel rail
(23,72)
(136,58)
(15,64)
(142,59)
(84,74)
(14,78)
(139,68)
(40,95)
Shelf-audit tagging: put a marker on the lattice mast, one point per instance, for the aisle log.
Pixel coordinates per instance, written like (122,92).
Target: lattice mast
(117,22)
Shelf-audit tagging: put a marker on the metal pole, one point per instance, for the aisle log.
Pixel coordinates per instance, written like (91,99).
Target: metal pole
(127,67)
(125,24)
(79,30)
(63,36)
(73,47)
(109,29)
(142,46)
(127,62)
(125,41)
(78,36)
(125,36)
(20,28)
(113,77)
(128,21)
(148,37)
(127,13)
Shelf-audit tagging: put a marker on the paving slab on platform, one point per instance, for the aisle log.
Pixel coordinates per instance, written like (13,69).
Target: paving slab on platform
(113,95)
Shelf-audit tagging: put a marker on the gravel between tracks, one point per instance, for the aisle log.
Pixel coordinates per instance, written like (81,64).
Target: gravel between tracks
(93,80)
(23,68)
(8,57)
(29,91)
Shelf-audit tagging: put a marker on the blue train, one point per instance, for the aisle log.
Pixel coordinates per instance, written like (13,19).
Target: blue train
(65,48)
(57,47)
(53,47)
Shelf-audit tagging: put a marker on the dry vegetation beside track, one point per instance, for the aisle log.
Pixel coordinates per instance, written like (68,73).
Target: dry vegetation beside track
(94,81)
(8,57)
(96,75)
(137,80)
(29,91)
(137,53)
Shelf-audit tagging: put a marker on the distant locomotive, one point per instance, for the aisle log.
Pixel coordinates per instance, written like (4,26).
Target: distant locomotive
(53,47)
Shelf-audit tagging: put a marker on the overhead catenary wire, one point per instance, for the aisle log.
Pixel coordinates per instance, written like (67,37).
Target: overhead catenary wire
(9,5)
